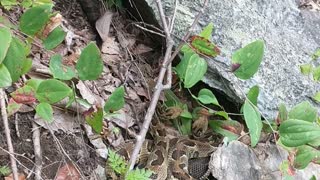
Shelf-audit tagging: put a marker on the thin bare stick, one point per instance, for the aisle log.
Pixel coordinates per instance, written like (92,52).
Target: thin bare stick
(4,116)
(37,150)
(159,86)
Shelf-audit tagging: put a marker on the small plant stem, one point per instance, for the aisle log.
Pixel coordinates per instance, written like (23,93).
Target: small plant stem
(168,58)
(4,116)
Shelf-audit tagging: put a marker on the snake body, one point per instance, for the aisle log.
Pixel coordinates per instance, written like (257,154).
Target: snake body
(169,158)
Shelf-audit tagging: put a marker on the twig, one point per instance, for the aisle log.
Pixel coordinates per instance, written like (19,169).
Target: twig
(159,86)
(7,132)
(37,150)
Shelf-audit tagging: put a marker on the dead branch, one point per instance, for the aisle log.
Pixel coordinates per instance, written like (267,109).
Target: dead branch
(160,86)
(37,150)
(4,116)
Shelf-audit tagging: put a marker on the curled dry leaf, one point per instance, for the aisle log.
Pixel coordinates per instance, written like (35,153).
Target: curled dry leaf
(54,22)
(68,172)
(110,46)
(141,48)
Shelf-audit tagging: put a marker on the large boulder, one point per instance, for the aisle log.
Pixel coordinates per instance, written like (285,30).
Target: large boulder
(291,35)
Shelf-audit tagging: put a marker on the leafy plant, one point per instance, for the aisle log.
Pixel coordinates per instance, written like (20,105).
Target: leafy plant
(4,170)
(301,133)
(119,165)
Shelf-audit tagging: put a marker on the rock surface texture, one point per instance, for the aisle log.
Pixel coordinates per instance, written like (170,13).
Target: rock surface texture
(291,35)
(237,161)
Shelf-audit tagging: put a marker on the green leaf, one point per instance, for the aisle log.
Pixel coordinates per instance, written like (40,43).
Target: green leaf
(305,69)
(54,38)
(13,107)
(44,110)
(227,128)
(26,3)
(253,122)
(52,91)
(35,18)
(139,174)
(115,101)
(15,60)
(253,94)
(95,120)
(304,155)
(5,38)
(317,96)
(283,114)
(204,46)
(191,69)
(316,73)
(205,96)
(5,78)
(207,31)
(59,70)
(222,114)
(303,111)
(26,66)
(34,83)
(5,22)
(294,132)
(249,59)
(316,54)
(90,64)
(8,4)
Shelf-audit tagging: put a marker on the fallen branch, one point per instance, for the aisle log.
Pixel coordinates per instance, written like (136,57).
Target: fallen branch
(37,150)
(4,116)
(165,68)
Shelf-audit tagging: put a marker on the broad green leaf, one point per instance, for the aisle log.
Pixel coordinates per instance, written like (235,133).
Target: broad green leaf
(90,64)
(185,113)
(26,66)
(303,111)
(34,83)
(249,59)
(186,49)
(52,91)
(115,101)
(304,155)
(5,78)
(191,69)
(305,69)
(54,38)
(5,39)
(227,128)
(317,97)
(205,96)
(253,122)
(253,94)
(204,46)
(294,132)
(95,120)
(207,31)
(59,70)
(316,54)
(44,110)
(316,73)
(35,18)
(15,60)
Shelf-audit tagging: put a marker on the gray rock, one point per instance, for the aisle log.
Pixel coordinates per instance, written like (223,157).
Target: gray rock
(237,161)
(290,36)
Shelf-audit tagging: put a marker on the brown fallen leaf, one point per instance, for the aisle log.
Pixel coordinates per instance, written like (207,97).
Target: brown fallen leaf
(20,177)
(68,172)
